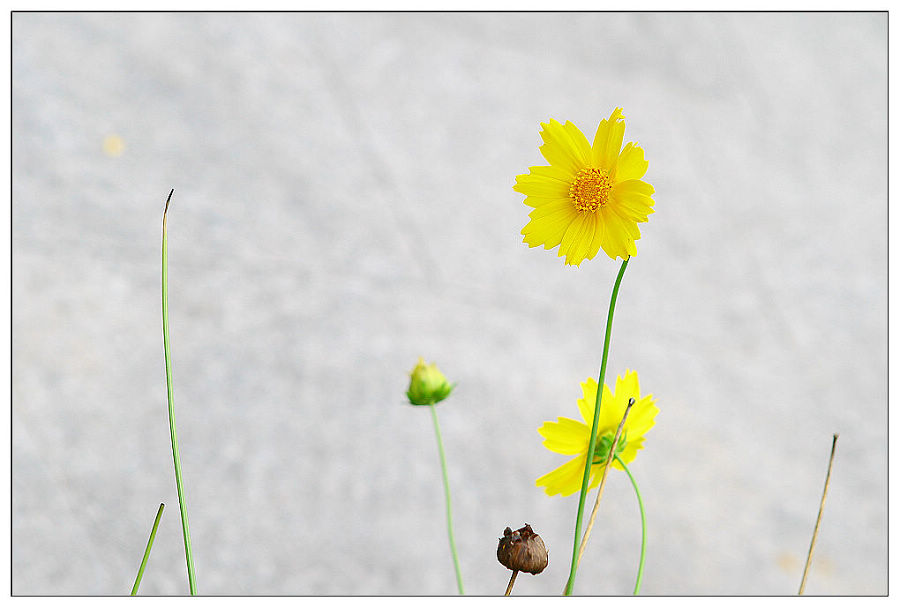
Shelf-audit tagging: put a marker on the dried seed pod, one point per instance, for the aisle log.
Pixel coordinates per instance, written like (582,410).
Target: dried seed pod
(522,550)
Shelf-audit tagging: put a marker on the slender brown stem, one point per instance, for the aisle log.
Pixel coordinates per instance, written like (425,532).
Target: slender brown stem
(612,452)
(512,581)
(812,543)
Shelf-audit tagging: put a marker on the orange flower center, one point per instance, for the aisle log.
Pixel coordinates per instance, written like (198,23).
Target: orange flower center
(590,190)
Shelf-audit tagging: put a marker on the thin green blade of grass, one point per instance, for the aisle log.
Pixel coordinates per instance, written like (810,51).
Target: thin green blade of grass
(182,505)
(140,574)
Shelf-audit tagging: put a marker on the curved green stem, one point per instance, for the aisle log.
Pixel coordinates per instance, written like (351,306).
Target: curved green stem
(140,574)
(437,432)
(640,574)
(192,582)
(593,442)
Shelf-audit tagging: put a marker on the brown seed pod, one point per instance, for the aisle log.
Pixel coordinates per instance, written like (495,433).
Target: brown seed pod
(522,550)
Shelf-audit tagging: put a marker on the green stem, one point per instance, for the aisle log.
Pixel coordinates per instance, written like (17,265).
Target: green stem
(593,442)
(171,397)
(640,574)
(440,443)
(140,574)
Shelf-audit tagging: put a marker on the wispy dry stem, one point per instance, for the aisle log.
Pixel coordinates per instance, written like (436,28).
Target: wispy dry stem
(612,452)
(812,543)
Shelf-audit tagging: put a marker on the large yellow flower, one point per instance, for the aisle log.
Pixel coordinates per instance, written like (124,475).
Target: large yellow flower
(567,436)
(591,196)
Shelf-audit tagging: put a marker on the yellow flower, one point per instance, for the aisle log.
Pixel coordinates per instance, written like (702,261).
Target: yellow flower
(567,436)
(591,196)
(427,385)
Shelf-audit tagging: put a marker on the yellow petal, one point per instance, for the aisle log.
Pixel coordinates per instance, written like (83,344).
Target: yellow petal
(537,201)
(611,410)
(625,223)
(565,480)
(577,240)
(565,436)
(563,148)
(610,414)
(616,240)
(642,417)
(631,199)
(580,248)
(551,172)
(548,230)
(627,386)
(599,234)
(587,401)
(560,206)
(608,141)
(581,143)
(541,186)
(597,230)
(631,163)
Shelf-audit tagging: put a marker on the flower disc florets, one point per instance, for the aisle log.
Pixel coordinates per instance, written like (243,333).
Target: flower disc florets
(590,189)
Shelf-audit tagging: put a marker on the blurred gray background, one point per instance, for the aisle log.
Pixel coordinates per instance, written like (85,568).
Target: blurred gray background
(343,204)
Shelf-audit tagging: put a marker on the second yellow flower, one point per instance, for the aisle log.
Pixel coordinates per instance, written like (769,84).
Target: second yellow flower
(572,437)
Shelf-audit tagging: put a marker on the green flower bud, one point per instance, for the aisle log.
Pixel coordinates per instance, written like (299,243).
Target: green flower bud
(427,385)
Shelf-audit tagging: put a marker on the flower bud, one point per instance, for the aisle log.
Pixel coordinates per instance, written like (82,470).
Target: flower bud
(427,385)
(522,550)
